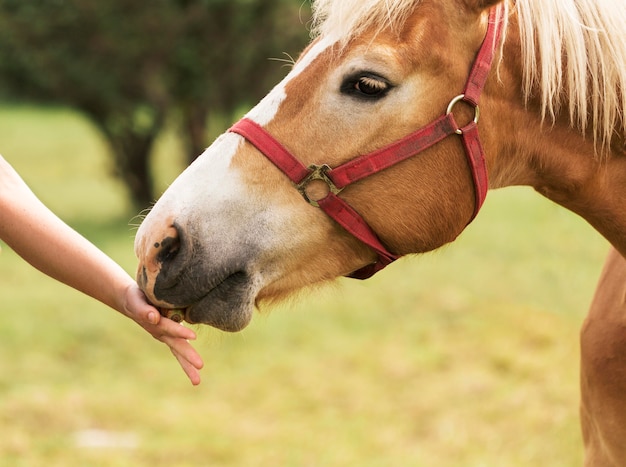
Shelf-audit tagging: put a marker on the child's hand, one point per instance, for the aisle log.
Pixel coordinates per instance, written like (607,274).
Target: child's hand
(172,334)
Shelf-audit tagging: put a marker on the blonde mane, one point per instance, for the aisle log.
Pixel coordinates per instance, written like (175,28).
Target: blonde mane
(573,52)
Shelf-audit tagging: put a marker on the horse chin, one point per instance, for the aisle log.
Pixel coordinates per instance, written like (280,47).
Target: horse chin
(228,307)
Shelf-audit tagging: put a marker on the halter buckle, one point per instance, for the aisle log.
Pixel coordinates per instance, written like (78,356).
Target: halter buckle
(456,100)
(318,172)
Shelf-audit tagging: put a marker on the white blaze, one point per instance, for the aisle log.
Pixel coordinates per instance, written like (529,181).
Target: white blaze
(266,110)
(200,193)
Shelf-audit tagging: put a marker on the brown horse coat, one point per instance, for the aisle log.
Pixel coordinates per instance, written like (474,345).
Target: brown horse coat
(603,369)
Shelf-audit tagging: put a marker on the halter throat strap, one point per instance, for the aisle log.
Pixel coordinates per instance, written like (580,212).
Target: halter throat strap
(363,166)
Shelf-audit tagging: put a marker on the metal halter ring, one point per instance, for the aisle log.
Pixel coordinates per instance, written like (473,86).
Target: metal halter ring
(456,100)
(318,172)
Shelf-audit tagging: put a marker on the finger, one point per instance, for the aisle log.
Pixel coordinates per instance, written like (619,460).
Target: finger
(138,308)
(167,327)
(153,317)
(190,369)
(187,357)
(184,350)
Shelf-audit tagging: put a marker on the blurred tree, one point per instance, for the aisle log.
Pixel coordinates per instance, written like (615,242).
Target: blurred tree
(222,55)
(128,65)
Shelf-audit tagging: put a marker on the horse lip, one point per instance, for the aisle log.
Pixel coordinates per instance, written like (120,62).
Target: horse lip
(227,306)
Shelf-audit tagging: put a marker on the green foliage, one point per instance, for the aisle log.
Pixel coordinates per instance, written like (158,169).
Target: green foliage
(129,65)
(463,357)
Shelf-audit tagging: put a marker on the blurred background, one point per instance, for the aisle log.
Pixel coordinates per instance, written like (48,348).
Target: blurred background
(132,69)
(467,356)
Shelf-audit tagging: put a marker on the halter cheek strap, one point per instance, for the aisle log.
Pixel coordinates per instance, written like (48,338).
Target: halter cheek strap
(363,166)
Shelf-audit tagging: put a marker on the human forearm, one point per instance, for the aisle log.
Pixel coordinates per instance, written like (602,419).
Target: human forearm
(60,252)
(54,248)
(51,246)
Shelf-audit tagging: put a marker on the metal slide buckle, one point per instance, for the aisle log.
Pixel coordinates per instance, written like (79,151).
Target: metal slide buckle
(318,172)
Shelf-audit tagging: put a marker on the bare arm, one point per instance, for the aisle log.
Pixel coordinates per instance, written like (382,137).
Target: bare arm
(51,246)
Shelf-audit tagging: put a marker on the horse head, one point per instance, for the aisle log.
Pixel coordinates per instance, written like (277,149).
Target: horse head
(232,231)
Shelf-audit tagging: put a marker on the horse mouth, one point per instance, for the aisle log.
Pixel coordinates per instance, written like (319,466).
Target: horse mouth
(227,306)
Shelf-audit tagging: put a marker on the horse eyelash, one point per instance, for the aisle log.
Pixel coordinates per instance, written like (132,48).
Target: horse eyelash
(349,85)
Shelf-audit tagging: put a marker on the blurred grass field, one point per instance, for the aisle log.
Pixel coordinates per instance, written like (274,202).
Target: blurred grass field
(464,357)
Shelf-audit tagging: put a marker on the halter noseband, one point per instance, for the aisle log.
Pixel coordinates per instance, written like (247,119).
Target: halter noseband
(339,177)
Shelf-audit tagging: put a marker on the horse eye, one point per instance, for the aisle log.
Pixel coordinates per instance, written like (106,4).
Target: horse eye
(366,86)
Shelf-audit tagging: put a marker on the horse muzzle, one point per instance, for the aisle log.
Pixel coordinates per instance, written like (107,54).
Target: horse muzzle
(174,273)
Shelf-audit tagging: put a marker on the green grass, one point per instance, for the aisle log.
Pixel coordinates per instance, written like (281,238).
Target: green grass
(464,357)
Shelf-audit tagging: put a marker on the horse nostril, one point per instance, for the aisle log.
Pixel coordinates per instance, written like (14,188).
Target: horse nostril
(162,259)
(168,249)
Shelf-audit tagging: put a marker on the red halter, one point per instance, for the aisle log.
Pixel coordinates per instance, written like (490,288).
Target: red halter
(339,177)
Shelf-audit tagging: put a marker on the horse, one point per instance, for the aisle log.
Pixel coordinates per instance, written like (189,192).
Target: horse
(382,141)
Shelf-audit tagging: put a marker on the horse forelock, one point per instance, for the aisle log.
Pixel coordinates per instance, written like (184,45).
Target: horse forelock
(345,19)
(573,52)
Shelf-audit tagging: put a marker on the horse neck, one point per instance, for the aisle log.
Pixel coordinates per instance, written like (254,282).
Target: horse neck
(557,160)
